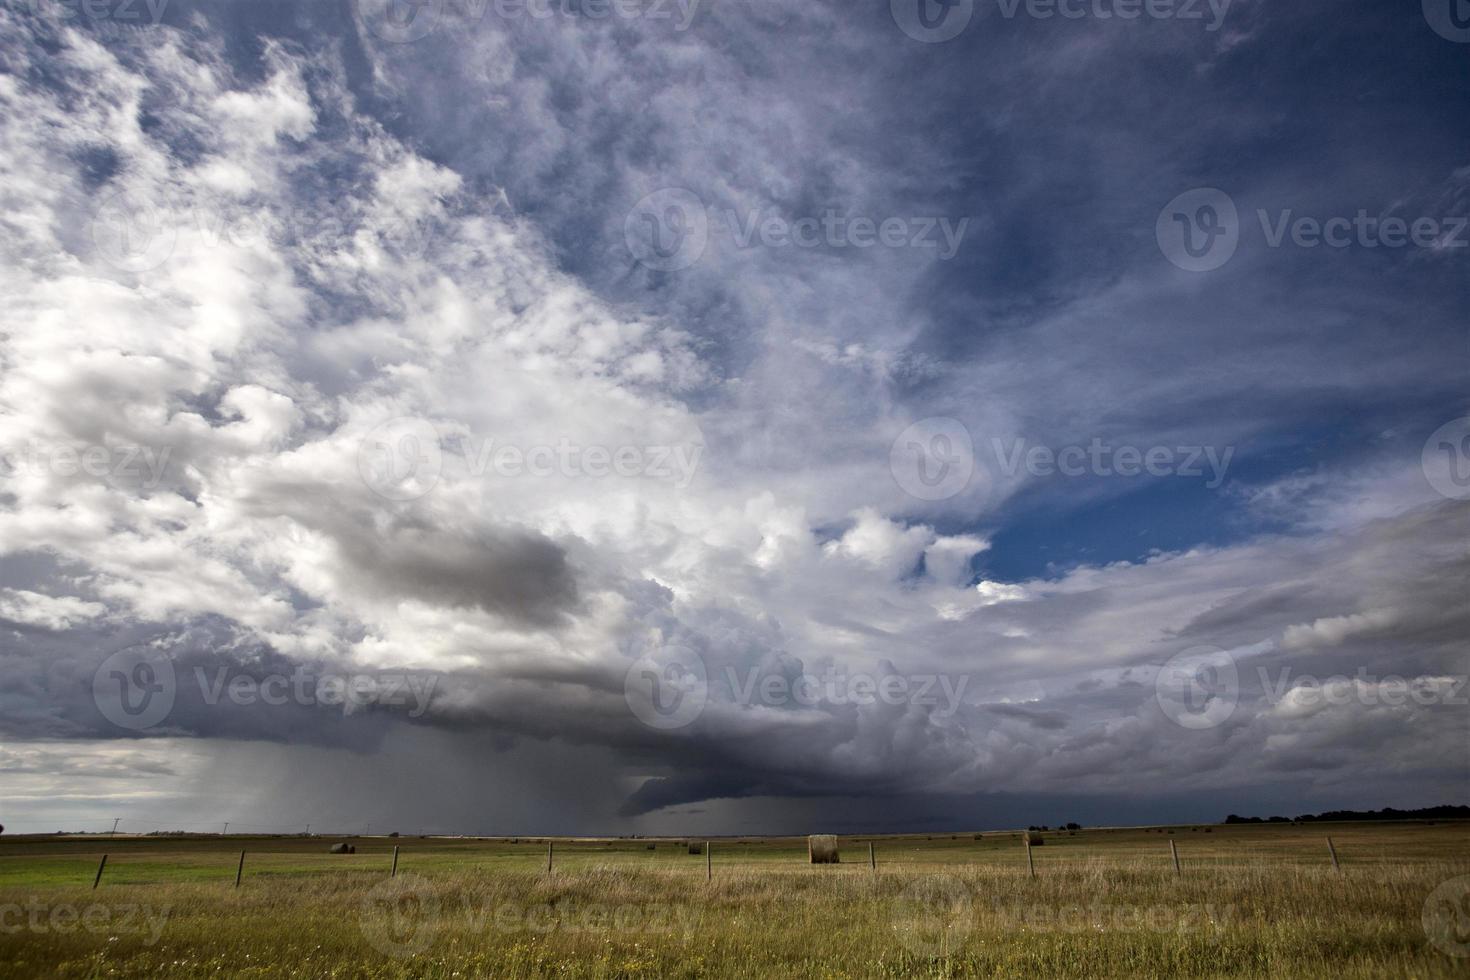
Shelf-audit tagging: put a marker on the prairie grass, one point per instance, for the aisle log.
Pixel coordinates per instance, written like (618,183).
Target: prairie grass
(1251,903)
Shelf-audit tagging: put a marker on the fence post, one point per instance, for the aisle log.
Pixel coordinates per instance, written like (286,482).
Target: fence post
(1333,851)
(708,863)
(872,861)
(240,869)
(548,857)
(1030,864)
(97,879)
(1174,850)
(395,862)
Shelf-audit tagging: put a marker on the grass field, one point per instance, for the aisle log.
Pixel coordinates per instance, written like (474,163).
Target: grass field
(1251,901)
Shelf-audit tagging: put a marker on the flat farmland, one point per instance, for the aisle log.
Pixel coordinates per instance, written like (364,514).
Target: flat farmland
(1247,901)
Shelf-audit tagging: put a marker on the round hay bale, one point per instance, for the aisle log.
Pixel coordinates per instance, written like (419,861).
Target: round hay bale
(1034,839)
(340,849)
(695,847)
(822,849)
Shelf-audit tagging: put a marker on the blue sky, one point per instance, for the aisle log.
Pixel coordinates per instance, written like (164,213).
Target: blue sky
(1040,360)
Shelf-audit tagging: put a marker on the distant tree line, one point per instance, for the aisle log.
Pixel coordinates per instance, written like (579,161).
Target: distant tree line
(1446,812)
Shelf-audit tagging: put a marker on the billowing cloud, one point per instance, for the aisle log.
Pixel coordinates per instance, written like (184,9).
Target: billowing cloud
(337,408)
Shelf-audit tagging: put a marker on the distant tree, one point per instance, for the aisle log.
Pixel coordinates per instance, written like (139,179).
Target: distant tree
(1074,826)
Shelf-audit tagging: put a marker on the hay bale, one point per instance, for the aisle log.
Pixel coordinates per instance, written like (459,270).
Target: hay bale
(340,849)
(822,849)
(695,847)
(1035,840)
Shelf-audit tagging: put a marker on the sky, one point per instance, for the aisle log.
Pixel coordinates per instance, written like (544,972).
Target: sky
(714,417)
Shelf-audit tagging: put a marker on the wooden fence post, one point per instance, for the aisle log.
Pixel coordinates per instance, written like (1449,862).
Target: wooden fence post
(1333,851)
(394,873)
(239,869)
(1174,850)
(1030,864)
(708,863)
(548,857)
(97,879)
(872,861)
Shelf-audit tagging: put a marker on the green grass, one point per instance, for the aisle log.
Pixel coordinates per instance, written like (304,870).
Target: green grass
(1252,901)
